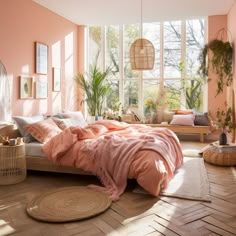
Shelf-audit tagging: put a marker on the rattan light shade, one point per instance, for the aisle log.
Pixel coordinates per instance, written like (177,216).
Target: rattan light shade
(142,55)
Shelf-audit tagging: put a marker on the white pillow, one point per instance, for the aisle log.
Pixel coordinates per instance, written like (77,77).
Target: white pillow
(77,116)
(183,120)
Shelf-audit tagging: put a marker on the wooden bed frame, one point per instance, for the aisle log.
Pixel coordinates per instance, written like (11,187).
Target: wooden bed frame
(43,164)
(40,163)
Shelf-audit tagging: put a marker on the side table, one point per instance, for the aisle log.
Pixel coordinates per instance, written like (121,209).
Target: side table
(221,155)
(12,164)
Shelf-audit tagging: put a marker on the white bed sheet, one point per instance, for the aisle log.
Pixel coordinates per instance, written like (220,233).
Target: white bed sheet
(34,149)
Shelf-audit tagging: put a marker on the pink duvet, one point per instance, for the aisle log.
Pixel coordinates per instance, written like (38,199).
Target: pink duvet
(115,151)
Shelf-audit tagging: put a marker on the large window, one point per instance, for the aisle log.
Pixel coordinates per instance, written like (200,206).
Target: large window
(177,46)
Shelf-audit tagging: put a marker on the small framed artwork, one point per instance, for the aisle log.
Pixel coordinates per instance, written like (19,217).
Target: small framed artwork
(41,90)
(56,79)
(41,60)
(26,87)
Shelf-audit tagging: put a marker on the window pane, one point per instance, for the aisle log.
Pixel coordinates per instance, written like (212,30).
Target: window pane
(193,92)
(131,93)
(194,44)
(95,45)
(150,90)
(131,33)
(113,50)
(113,98)
(151,31)
(173,92)
(172,49)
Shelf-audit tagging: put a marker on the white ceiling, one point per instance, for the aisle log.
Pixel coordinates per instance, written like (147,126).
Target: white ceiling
(107,12)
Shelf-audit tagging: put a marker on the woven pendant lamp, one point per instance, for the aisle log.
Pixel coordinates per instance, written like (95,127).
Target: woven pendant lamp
(142,53)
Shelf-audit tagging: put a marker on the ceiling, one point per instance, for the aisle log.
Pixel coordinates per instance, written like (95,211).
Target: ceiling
(107,12)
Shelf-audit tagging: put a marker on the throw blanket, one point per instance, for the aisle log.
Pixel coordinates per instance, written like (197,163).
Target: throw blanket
(115,151)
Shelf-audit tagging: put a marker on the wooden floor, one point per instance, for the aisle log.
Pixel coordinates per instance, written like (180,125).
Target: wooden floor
(133,214)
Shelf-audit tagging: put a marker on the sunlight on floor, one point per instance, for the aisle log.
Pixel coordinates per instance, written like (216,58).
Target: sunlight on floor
(5,228)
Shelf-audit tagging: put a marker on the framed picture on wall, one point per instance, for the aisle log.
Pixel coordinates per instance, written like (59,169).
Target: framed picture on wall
(41,90)
(41,58)
(56,79)
(26,87)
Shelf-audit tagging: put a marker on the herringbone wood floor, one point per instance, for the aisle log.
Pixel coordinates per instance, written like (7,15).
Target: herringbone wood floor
(133,214)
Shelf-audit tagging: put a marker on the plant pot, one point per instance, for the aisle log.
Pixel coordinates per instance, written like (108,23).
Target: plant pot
(223,139)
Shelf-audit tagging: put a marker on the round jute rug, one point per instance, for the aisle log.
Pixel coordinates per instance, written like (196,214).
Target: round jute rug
(68,204)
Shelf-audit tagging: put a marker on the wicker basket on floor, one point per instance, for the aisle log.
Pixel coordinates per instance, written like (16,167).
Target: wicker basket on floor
(221,156)
(12,164)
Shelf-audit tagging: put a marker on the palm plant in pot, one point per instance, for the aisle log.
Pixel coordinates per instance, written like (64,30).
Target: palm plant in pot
(96,87)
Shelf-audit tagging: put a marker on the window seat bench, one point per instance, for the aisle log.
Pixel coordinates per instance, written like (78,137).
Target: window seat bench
(201,130)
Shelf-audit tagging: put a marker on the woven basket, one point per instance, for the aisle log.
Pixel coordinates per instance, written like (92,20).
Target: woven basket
(12,164)
(220,156)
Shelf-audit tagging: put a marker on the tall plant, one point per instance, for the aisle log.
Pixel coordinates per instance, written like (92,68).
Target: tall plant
(96,88)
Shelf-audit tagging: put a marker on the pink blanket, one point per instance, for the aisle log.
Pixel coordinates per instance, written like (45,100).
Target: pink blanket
(116,151)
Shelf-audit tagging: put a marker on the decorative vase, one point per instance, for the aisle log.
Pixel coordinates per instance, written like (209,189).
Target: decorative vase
(223,139)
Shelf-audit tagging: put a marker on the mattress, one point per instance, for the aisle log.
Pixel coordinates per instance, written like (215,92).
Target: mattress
(34,149)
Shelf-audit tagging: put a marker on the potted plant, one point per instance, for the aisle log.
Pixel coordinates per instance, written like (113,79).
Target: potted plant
(224,122)
(221,62)
(96,87)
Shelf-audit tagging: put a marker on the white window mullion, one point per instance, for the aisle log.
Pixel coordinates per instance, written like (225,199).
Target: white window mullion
(103,49)
(183,59)
(121,65)
(162,54)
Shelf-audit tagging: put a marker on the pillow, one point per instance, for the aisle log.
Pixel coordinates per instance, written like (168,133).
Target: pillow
(201,119)
(183,120)
(63,123)
(75,115)
(22,121)
(43,130)
(182,112)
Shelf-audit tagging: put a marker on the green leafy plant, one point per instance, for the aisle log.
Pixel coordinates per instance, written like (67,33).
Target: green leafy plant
(221,62)
(96,88)
(224,120)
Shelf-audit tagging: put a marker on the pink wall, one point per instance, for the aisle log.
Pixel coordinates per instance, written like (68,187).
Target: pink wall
(22,23)
(215,23)
(232,28)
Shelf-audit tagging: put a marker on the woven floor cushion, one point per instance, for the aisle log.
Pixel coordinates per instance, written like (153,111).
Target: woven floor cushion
(221,156)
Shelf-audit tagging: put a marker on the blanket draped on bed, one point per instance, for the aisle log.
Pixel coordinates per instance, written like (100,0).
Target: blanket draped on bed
(115,151)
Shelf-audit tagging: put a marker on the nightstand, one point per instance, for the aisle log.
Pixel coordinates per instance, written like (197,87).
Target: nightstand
(12,164)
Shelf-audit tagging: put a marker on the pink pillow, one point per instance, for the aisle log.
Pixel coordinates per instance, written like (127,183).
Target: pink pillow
(183,120)
(43,130)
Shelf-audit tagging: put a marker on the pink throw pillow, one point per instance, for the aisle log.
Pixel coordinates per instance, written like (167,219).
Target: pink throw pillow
(43,130)
(183,120)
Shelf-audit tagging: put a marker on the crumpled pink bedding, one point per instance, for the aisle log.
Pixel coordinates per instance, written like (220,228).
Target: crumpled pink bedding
(115,151)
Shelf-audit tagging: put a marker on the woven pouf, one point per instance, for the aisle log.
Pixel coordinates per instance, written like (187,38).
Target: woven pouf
(221,156)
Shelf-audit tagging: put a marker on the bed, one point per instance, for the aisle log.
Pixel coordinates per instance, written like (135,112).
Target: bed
(113,151)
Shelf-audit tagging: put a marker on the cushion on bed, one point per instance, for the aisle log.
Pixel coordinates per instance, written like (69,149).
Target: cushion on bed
(183,120)
(43,130)
(75,115)
(22,121)
(68,122)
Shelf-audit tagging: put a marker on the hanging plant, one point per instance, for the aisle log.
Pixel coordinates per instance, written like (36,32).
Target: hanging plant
(221,62)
